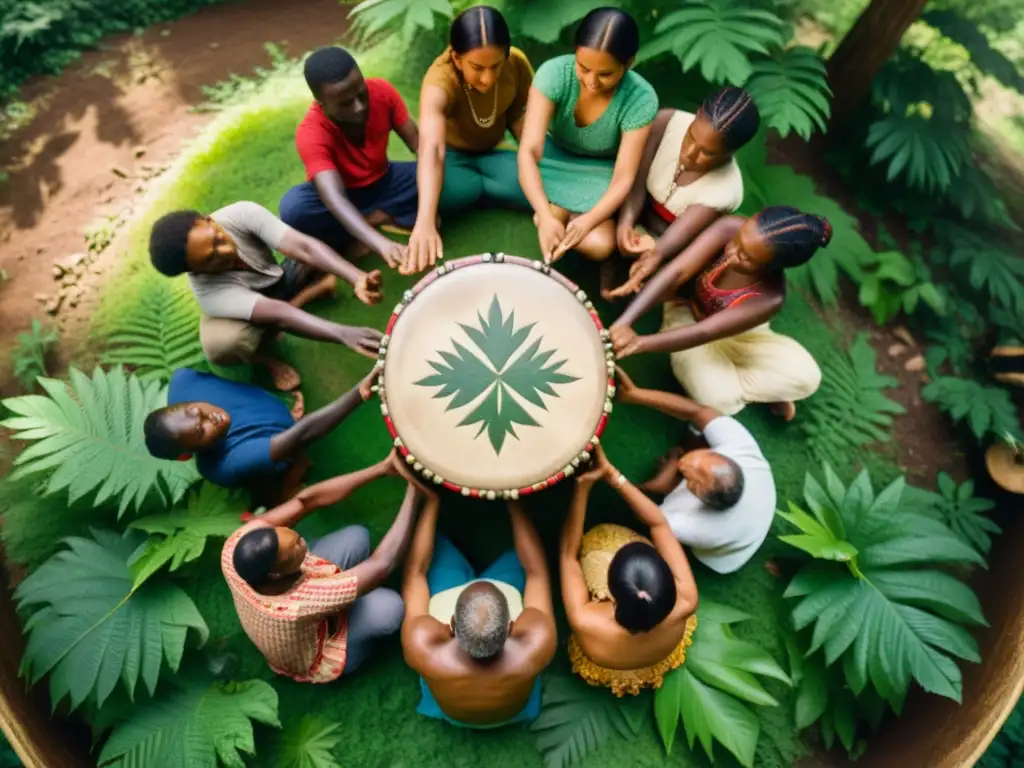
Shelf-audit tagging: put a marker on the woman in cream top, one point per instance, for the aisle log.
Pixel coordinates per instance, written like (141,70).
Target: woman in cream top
(690,178)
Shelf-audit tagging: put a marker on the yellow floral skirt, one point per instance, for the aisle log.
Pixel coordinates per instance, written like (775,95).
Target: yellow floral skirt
(596,553)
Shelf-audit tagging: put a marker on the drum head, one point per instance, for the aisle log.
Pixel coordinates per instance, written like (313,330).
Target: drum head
(496,379)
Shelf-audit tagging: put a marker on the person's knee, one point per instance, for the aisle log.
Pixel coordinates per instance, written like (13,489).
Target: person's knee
(299,205)
(228,342)
(811,378)
(599,243)
(357,540)
(387,610)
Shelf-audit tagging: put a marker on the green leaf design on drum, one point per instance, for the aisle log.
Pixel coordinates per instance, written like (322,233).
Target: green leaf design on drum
(500,377)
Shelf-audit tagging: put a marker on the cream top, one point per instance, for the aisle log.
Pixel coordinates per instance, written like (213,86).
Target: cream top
(720,189)
(442,605)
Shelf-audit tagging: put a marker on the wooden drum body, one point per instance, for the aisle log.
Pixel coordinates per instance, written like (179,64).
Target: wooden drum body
(497,378)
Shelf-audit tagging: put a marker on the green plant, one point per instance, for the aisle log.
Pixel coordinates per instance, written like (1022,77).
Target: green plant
(791,91)
(872,592)
(159,334)
(547,18)
(990,266)
(710,693)
(237,88)
(988,410)
(373,16)
(576,718)
(8,758)
(93,627)
(180,536)
(849,410)
(29,355)
(920,147)
(100,234)
(309,744)
(958,508)
(1007,749)
(88,437)
(200,723)
(892,283)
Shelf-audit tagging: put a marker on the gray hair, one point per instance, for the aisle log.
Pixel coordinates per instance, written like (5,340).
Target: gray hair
(481,621)
(727,485)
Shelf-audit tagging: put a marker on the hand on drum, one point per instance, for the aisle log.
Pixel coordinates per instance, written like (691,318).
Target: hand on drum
(625,388)
(367,287)
(599,469)
(626,341)
(365,385)
(645,265)
(425,248)
(365,341)
(402,470)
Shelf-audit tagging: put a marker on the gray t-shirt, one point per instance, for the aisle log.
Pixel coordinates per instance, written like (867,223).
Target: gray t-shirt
(725,540)
(257,233)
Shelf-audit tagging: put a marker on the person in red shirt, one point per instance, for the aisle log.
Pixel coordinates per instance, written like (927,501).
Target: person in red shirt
(351,187)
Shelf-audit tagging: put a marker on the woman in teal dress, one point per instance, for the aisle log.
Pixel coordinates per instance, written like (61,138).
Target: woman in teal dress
(587,121)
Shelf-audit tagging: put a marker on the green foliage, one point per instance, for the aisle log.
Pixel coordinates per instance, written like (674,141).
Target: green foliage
(237,88)
(849,410)
(984,57)
(8,758)
(547,18)
(309,744)
(990,266)
(94,627)
(712,689)
(575,719)
(719,36)
(158,335)
(958,508)
(791,91)
(1007,749)
(892,283)
(180,536)
(411,17)
(989,411)
(876,601)
(200,723)
(921,148)
(29,356)
(89,438)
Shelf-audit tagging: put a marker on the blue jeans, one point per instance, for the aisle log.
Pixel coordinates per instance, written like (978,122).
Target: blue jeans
(449,568)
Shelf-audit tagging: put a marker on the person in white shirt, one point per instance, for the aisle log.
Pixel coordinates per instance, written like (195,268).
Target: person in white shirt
(720,501)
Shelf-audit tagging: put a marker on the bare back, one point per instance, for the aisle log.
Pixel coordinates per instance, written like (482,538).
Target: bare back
(609,644)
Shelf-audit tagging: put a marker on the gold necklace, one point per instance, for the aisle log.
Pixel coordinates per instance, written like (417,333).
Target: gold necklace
(488,121)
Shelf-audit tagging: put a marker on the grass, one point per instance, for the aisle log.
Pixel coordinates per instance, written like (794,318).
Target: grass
(248,153)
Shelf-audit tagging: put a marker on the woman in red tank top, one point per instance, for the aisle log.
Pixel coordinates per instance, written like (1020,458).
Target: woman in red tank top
(734,275)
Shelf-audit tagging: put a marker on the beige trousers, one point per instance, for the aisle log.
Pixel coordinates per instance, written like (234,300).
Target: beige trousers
(757,366)
(229,342)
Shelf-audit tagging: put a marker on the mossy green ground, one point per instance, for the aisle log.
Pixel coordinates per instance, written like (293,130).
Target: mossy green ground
(248,154)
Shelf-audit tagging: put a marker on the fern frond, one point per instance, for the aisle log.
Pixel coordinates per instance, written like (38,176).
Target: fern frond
(930,153)
(791,91)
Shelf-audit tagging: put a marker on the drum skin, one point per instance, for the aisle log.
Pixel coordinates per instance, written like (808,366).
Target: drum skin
(497,378)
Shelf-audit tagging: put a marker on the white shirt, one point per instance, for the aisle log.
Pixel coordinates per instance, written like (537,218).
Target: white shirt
(724,540)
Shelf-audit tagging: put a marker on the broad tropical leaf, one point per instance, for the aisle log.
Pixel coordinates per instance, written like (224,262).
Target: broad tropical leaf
(91,627)
(309,744)
(408,17)
(88,438)
(906,81)
(547,18)
(719,36)
(791,91)
(990,266)
(159,334)
(850,410)
(202,723)
(180,536)
(576,718)
(930,153)
(989,411)
(712,691)
(958,508)
(886,612)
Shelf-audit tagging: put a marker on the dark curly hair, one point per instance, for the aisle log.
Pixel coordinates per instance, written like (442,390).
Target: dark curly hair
(255,555)
(327,65)
(168,241)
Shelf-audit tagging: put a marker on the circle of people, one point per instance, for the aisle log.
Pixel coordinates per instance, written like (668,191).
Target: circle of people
(605,172)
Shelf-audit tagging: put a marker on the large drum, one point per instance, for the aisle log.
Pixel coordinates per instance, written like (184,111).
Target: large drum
(498,376)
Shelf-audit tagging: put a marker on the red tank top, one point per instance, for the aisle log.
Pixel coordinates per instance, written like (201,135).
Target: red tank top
(707,299)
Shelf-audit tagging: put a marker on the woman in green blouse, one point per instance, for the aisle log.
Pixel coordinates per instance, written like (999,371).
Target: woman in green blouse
(587,121)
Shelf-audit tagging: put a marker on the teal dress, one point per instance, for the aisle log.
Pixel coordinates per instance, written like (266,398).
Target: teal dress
(578,162)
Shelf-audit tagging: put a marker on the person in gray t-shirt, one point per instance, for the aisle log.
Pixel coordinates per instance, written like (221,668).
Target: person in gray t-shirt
(244,293)
(720,501)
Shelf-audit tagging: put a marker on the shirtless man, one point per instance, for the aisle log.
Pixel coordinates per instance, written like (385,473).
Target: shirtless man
(479,643)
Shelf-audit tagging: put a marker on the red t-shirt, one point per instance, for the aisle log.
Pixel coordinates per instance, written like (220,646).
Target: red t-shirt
(323,147)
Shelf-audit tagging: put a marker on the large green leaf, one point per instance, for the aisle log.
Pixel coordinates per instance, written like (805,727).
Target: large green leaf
(989,411)
(576,718)
(180,536)
(890,618)
(711,715)
(404,17)
(311,743)
(990,266)
(929,152)
(87,436)
(158,334)
(199,724)
(94,628)
(958,508)
(791,91)
(718,36)
(547,18)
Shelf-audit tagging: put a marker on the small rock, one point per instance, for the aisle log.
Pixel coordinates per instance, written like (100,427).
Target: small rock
(119,172)
(53,305)
(57,272)
(42,298)
(901,333)
(897,350)
(139,152)
(915,364)
(76,258)
(69,279)
(73,302)
(63,292)
(214,46)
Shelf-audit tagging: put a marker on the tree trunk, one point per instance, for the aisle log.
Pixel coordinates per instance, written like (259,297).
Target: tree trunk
(871,41)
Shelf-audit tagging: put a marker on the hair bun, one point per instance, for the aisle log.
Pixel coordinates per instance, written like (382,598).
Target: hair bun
(826,232)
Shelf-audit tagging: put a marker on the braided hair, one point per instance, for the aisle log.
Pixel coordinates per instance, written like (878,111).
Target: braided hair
(733,114)
(793,236)
(611,30)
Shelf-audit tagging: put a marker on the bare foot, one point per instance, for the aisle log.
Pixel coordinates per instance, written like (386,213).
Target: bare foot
(786,410)
(285,377)
(298,409)
(607,280)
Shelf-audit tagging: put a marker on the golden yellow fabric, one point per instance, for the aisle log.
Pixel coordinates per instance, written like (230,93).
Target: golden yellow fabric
(631,681)
(599,546)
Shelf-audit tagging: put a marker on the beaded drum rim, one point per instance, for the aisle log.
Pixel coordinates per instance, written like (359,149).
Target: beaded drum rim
(538,266)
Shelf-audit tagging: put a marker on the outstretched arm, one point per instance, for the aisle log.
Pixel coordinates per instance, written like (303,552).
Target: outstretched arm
(320,256)
(376,568)
(669,403)
(425,243)
(283,316)
(332,192)
(729,322)
(415,590)
(531,554)
(631,209)
(575,594)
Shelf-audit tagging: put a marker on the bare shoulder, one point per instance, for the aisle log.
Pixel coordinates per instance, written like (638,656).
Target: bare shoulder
(421,637)
(729,224)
